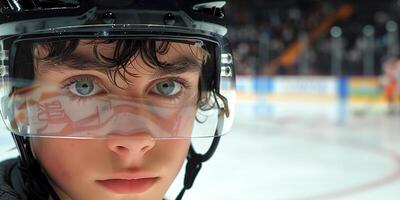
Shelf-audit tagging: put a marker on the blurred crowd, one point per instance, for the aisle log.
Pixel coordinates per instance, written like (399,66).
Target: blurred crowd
(313,37)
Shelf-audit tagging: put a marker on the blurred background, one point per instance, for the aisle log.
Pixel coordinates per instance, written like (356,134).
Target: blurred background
(311,37)
(344,53)
(318,108)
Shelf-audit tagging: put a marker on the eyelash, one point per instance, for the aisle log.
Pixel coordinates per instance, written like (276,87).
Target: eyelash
(66,84)
(184,83)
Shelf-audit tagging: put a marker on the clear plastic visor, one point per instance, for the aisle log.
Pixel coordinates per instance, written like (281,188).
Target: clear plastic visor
(46,110)
(96,88)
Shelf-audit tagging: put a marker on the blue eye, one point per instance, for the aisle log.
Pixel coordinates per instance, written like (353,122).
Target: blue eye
(84,88)
(167,88)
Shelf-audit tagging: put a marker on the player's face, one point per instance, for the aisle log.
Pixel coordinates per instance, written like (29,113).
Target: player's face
(123,165)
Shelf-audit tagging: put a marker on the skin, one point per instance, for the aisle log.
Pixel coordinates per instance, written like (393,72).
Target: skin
(74,165)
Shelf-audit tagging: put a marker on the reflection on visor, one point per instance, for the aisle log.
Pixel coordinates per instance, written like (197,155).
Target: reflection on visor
(46,112)
(175,71)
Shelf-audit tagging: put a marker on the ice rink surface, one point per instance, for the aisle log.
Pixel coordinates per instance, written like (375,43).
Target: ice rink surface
(305,151)
(302,151)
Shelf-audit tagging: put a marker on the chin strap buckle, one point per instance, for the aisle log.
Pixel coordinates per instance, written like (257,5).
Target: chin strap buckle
(193,167)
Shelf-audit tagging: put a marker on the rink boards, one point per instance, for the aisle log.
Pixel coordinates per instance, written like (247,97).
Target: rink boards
(311,88)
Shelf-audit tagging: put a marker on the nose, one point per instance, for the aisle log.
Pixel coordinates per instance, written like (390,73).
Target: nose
(133,146)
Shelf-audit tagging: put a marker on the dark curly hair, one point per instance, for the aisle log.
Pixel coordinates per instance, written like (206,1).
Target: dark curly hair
(115,66)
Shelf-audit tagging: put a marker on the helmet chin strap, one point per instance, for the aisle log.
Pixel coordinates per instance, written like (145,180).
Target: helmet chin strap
(195,160)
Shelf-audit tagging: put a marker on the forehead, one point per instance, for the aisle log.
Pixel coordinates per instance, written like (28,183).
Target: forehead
(111,48)
(92,54)
(85,45)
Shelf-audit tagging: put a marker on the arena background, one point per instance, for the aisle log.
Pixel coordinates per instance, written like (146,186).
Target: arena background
(312,118)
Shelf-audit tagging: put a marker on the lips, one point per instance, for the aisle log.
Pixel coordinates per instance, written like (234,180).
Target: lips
(127,186)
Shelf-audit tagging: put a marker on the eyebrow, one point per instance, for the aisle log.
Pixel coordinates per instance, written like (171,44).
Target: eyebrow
(178,65)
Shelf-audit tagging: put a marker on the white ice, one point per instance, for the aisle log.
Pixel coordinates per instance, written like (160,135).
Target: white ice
(304,151)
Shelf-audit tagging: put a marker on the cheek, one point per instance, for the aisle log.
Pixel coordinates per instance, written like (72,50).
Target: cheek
(63,160)
(169,157)
(171,154)
(187,119)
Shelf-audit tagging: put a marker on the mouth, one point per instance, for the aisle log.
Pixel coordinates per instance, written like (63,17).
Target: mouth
(128,186)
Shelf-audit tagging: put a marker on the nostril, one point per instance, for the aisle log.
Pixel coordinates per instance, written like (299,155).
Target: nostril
(123,145)
(121,149)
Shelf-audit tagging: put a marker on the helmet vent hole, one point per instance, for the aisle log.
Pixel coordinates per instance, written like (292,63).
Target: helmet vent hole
(169,19)
(109,17)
